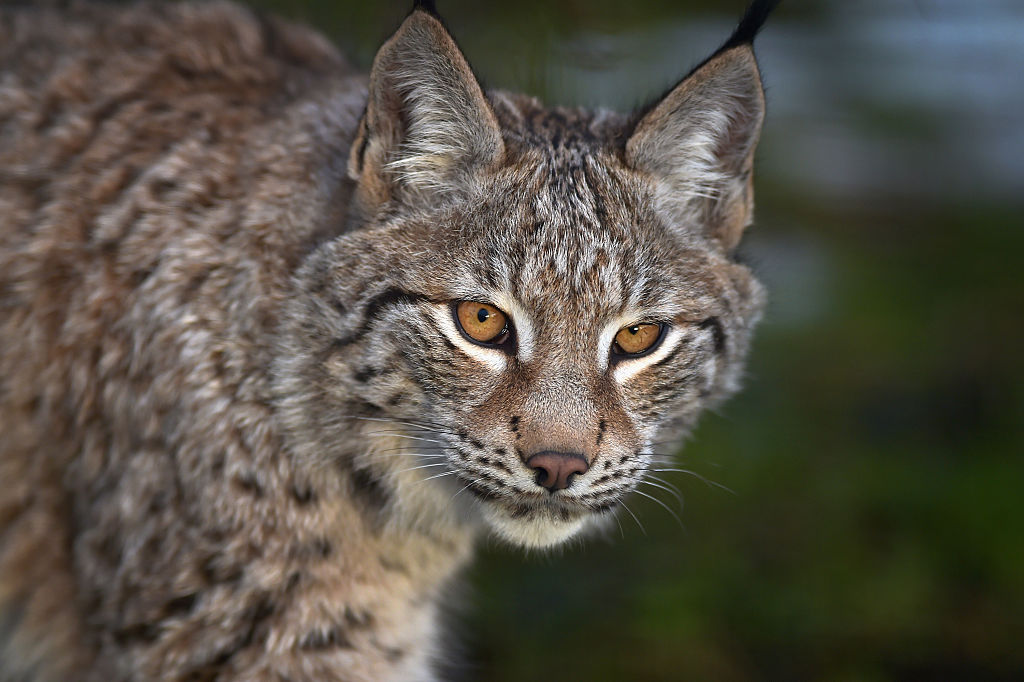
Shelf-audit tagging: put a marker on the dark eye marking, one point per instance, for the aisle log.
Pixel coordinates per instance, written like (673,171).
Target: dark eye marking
(715,325)
(386,299)
(717,333)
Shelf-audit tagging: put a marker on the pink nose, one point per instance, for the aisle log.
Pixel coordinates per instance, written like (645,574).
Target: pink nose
(556,469)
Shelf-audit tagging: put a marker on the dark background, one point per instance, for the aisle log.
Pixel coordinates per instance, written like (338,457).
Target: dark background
(876,528)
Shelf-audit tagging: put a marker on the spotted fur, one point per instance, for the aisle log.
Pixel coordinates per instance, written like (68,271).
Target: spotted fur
(243,436)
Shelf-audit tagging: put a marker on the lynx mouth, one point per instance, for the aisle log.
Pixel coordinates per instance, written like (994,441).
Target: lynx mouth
(541,521)
(521,506)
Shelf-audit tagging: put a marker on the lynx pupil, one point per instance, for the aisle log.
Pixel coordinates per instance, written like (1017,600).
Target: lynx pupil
(482,315)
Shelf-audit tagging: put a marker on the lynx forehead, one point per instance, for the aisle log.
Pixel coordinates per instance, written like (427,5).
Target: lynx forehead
(281,342)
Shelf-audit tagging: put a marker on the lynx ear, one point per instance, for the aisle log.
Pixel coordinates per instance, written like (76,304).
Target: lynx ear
(698,141)
(427,121)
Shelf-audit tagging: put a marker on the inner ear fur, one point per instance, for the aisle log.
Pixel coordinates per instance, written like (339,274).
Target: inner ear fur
(698,142)
(427,119)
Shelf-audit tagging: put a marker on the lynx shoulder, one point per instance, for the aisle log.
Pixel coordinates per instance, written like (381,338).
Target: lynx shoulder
(280,341)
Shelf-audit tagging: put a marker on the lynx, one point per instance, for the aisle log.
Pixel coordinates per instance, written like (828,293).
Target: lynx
(280,342)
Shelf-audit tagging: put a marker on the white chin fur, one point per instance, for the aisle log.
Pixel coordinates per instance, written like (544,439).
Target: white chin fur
(535,530)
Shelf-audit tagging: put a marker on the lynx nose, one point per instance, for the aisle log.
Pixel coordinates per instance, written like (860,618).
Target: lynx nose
(555,469)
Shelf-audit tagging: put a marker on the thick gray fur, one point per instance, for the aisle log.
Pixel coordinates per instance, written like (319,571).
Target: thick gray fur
(242,435)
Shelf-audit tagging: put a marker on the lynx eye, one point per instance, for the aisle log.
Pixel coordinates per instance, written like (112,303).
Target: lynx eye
(637,339)
(482,322)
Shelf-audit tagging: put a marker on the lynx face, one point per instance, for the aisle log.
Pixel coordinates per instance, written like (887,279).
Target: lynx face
(526,297)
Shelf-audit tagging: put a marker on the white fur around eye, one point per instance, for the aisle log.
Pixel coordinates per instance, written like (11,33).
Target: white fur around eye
(627,368)
(521,323)
(495,358)
(604,342)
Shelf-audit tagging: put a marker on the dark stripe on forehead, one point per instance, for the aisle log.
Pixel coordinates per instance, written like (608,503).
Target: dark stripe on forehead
(599,206)
(386,299)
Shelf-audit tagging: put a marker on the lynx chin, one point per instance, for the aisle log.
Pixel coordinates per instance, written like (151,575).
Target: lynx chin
(281,341)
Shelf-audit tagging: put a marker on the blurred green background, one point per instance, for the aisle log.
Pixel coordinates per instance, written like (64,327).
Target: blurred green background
(876,530)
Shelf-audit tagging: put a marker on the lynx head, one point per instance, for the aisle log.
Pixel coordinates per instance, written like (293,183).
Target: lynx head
(525,297)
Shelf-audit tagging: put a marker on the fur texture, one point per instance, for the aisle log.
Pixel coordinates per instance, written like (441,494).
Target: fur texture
(243,435)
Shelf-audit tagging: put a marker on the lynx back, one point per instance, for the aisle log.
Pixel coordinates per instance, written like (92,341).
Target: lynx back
(279,341)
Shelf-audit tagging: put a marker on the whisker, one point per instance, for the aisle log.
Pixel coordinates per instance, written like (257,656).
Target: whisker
(464,488)
(661,480)
(426,427)
(665,506)
(678,496)
(404,452)
(422,466)
(619,524)
(626,507)
(659,464)
(416,455)
(396,434)
(431,478)
(705,480)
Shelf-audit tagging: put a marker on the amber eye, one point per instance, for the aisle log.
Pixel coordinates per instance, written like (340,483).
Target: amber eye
(637,339)
(482,322)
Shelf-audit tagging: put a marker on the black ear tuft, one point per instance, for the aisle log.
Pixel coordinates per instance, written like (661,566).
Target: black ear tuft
(750,24)
(427,6)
